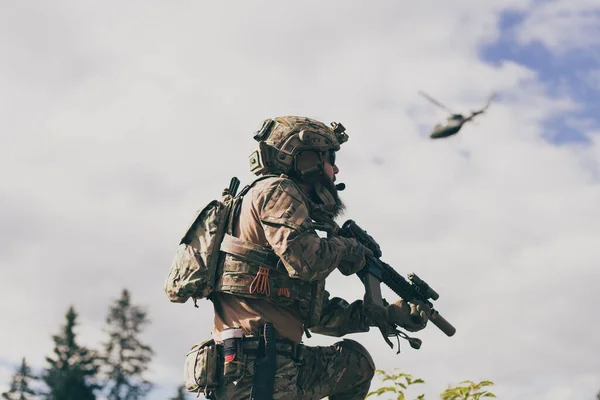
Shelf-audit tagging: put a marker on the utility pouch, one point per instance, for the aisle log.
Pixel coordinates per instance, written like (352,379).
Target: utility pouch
(202,367)
(233,355)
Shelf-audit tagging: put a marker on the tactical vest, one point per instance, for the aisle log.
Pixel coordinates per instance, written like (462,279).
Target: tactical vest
(254,271)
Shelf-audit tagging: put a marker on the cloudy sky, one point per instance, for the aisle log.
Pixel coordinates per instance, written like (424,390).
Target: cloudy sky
(119,119)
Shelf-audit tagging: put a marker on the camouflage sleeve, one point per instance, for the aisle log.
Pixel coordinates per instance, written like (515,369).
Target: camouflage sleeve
(289,230)
(339,318)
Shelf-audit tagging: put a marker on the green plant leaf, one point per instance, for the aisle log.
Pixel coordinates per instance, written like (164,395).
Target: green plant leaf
(382,390)
(483,383)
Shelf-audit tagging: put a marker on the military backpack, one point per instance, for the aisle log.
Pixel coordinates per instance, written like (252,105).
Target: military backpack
(198,256)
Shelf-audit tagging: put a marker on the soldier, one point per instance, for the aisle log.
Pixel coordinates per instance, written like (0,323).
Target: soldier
(271,286)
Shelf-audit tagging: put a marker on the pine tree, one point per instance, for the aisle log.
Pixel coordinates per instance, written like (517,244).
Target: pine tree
(20,388)
(126,357)
(71,375)
(180,394)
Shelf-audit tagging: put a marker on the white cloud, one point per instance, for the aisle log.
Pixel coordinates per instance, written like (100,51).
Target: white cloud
(123,119)
(562,25)
(593,79)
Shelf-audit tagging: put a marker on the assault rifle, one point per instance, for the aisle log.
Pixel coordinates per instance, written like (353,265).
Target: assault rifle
(377,272)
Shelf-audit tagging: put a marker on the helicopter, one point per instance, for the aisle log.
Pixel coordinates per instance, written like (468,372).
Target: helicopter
(454,121)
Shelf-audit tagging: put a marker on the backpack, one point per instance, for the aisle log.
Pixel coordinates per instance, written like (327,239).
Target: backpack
(194,268)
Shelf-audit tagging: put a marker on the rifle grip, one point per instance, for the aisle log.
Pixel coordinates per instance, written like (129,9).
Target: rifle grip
(441,323)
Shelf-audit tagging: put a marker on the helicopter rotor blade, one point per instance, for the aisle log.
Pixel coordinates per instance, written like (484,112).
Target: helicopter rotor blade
(434,101)
(490,99)
(484,108)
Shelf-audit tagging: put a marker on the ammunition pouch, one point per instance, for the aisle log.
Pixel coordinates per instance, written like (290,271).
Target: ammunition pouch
(255,271)
(209,365)
(202,368)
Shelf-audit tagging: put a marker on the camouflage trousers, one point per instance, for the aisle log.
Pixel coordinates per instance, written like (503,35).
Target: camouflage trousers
(342,371)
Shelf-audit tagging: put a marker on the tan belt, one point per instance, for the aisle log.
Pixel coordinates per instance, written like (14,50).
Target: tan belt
(283,347)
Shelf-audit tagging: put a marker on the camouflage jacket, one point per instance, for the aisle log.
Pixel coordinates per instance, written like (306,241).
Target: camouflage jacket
(276,216)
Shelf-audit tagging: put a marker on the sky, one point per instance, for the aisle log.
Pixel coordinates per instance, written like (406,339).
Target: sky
(120,119)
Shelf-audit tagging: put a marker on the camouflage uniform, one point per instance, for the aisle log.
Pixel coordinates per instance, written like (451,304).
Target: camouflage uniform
(259,259)
(341,371)
(278,216)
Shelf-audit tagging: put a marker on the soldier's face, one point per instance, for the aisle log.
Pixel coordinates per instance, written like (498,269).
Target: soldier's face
(330,169)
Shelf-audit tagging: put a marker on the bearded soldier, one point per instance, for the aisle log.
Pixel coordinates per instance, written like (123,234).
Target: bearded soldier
(270,286)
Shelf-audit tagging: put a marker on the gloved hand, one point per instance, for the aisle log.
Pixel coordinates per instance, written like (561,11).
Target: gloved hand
(411,316)
(354,258)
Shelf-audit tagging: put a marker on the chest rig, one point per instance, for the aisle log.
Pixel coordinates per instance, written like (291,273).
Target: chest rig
(255,271)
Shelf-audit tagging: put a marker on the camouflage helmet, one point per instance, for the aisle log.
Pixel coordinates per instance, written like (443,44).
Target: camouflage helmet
(282,139)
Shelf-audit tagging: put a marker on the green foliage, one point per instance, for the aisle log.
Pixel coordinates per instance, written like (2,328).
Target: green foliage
(71,374)
(126,358)
(466,390)
(401,381)
(181,394)
(20,388)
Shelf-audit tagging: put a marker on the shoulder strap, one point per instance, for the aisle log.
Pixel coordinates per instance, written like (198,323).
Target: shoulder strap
(258,179)
(237,202)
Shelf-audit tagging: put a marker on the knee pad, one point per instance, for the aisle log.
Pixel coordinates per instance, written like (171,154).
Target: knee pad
(353,345)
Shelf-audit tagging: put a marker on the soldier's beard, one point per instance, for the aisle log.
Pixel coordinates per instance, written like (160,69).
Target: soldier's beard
(336,209)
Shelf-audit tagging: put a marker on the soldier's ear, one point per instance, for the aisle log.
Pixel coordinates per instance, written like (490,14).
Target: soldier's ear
(307,159)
